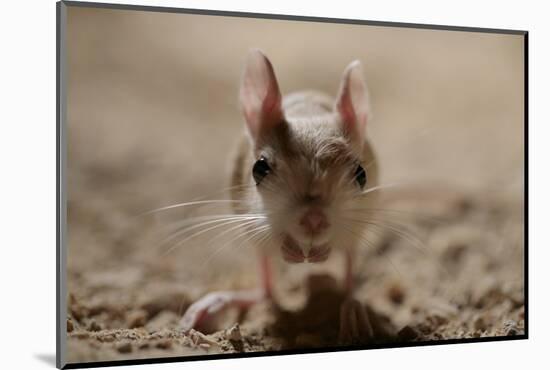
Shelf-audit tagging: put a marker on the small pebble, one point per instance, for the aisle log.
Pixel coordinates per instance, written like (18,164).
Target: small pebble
(197,338)
(124,347)
(81,335)
(94,326)
(106,338)
(407,333)
(77,313)
(70,326)
(480,324)
(510,328)
(438,320)
(396,294)
(455,252)
(136,319)
(234,333)
(164,344)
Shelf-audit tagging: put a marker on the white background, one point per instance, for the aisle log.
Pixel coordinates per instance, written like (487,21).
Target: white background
(27,206)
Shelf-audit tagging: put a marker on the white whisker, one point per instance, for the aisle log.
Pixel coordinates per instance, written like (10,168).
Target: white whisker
(254,231)
(380,187)
(187,204)
(201,232)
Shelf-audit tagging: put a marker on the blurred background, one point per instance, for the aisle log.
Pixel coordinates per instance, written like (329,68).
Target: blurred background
(153,119)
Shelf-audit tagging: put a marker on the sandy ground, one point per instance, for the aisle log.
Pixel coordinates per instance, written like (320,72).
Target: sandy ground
(152,119)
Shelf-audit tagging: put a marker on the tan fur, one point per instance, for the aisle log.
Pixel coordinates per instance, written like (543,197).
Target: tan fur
(313,132)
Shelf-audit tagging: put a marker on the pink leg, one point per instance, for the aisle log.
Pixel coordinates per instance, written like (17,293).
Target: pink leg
(266,276)
(214,302)
(355,326)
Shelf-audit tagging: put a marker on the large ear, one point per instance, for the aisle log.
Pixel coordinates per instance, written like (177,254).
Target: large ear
(352,103)
(260,97)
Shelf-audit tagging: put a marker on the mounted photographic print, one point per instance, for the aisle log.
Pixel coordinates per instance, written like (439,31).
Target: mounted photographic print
(235,184)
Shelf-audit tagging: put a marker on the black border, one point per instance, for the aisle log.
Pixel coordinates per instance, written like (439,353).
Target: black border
(205,357)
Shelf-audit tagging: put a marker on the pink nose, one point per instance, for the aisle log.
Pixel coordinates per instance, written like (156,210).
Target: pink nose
(314,221)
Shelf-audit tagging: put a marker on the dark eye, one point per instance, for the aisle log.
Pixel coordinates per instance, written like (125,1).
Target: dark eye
(360,176)
(260,170)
